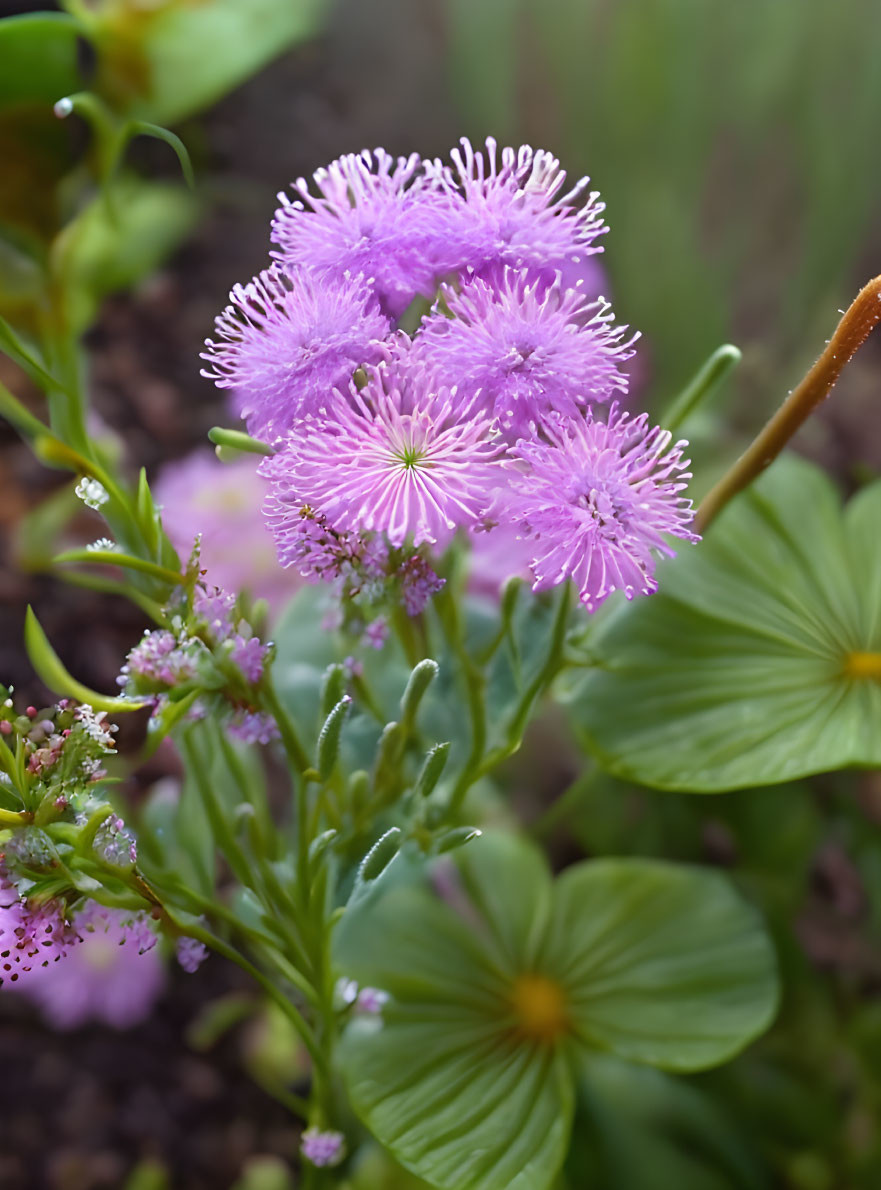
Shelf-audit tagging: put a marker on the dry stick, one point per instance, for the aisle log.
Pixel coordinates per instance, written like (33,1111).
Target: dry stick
(856,325)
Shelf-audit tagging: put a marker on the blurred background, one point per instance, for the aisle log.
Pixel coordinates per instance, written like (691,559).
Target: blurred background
(736,148)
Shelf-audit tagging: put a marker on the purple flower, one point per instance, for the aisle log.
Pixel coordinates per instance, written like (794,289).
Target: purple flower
(252,727)
(113,976)
(159,657)
(376,633)
(373,215)
(249,654)
(32,937)
(596,499)
(418,584)
(322,1148)
(399,458)
(526,348)
(287,339)
(216,608)
(371,1001)
(506,208)
(220,504)
(190,953)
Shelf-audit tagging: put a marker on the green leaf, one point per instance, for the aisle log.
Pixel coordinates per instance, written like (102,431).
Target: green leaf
(442,1084)
(51,670)
(180,57)
(733,674)
(646,1130)
(665,964)
(39,58)
(104,252)
(500,980)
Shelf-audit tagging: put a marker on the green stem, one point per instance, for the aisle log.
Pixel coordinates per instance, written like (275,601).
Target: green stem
(275,994)
(708,377)
(856,325)
(223,835)
(296,753)
(475,687)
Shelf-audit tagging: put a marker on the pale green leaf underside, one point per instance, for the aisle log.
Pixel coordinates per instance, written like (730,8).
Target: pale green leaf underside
(731,675)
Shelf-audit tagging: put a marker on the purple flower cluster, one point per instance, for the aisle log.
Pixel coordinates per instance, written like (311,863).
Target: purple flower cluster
(498,412)
(213,653)
(33,936)
(113,975)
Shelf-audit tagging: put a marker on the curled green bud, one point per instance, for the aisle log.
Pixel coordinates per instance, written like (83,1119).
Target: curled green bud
(380,855)
(419,681)
(435,762)
(329,738)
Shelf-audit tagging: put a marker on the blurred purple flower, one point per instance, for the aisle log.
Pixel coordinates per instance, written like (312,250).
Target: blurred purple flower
(524,348)
(190,953)
(397,458)
(287,339)
(251,727)
(113,976)
(497,555)
(322,1148)
(596,499)
(221,504)
(373,215)
(248,653)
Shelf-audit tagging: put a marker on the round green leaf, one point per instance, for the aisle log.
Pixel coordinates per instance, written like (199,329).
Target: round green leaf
(662,963)
(733,674)
(443,1081)
(500,981)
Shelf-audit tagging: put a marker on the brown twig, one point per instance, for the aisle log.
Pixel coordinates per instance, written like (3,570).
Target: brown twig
(856,325)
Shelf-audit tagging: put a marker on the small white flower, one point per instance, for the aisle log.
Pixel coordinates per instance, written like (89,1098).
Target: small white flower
(103,545)
(91,492)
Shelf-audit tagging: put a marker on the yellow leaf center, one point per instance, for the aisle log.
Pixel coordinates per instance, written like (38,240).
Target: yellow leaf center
(863,665)
(540,1007)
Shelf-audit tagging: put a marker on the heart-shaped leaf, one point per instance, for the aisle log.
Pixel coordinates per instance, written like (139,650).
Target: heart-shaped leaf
(759,660)
(500,979)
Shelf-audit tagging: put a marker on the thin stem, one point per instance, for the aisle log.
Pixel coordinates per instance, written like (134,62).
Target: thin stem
(541,681)
(220,828)
(709,375)
(296,753)
(289,1009)
(475,687)
(852,331)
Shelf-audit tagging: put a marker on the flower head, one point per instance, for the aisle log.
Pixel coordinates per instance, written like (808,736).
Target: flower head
(372,215)
(287,338)
(595,501)
(322,1147)
(400,457)
(190,953)
(506,208)
(33,936)
(526,347)
(113,976)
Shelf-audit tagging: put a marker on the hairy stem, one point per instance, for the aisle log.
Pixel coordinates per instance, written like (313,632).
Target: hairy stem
(852,331)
